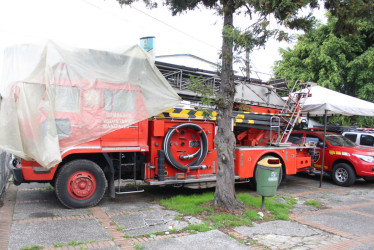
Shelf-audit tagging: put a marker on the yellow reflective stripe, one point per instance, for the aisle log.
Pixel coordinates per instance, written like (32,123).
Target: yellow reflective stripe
(179,115)
(319,166)
(199,113)
(185,111)
(244,121)
(199,117)
(169,111)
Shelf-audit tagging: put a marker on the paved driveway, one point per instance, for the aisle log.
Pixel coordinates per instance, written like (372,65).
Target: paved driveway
(32,216)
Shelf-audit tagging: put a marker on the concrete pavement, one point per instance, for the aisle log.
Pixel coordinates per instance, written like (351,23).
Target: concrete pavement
(32,216)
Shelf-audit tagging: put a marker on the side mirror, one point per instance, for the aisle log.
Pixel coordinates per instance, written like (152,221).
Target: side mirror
(320,144)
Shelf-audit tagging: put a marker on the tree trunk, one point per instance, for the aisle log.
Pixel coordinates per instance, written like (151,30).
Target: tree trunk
(225,140)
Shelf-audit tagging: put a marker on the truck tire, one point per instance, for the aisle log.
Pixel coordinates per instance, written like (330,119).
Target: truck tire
(80,184)
(343,175)
(253,183)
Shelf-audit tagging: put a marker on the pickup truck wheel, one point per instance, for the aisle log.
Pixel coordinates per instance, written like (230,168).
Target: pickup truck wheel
(80,184)
(343,175)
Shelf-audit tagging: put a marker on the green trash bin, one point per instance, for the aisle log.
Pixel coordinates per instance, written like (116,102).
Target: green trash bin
(267,176)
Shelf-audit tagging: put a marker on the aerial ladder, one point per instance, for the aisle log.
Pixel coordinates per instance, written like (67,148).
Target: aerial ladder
(290,113)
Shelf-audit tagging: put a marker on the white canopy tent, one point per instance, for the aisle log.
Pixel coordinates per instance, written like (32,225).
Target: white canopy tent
(326,102)
(323,100)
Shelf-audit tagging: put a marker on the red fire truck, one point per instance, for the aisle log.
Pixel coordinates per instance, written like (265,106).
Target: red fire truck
(174,148)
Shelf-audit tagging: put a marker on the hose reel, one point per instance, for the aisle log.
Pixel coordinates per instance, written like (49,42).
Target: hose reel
(199,155)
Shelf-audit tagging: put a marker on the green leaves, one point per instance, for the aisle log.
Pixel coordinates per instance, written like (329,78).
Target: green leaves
(205,91)
(351,14)
(340,62)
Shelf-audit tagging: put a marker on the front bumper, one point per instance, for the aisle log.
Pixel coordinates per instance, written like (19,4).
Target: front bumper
(365,170)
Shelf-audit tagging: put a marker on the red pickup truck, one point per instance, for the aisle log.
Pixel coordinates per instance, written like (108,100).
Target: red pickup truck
(344,160)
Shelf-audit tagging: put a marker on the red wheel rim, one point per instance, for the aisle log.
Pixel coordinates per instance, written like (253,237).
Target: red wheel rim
(81,185)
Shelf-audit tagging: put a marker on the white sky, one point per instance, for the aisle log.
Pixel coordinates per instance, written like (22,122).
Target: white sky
(103,24)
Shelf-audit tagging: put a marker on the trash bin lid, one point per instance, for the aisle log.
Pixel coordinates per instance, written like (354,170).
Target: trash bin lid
(270,162)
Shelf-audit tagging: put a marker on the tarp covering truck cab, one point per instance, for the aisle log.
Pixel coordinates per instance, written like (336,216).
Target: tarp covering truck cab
(55,97)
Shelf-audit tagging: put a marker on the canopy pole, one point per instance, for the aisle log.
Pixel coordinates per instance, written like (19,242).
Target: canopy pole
(323,148)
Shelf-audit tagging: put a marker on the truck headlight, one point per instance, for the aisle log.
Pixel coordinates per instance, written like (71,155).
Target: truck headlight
(365,158)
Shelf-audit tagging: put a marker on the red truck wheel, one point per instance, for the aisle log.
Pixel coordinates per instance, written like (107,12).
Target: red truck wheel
(80,183)
(343,175)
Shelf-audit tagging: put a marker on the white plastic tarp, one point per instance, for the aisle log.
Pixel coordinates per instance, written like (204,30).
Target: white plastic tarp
(55,97)
(335,103)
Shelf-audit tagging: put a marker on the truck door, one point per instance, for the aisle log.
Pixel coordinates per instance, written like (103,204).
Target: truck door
(120,107)
(68,113)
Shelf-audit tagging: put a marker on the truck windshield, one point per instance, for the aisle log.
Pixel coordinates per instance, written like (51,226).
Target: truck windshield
(339,140)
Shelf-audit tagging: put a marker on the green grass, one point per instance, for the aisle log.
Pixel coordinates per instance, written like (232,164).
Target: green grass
(279,206)
(33,247)
(229,220)
(280,210)
(251,214)
(290,200)
(149,234)
(138,247)
(49,188)
(72,243)
(178,217)
(77,243)
(189,204)
(174,230)
(120,228)
(237,239)
(315,204)
(203,227)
